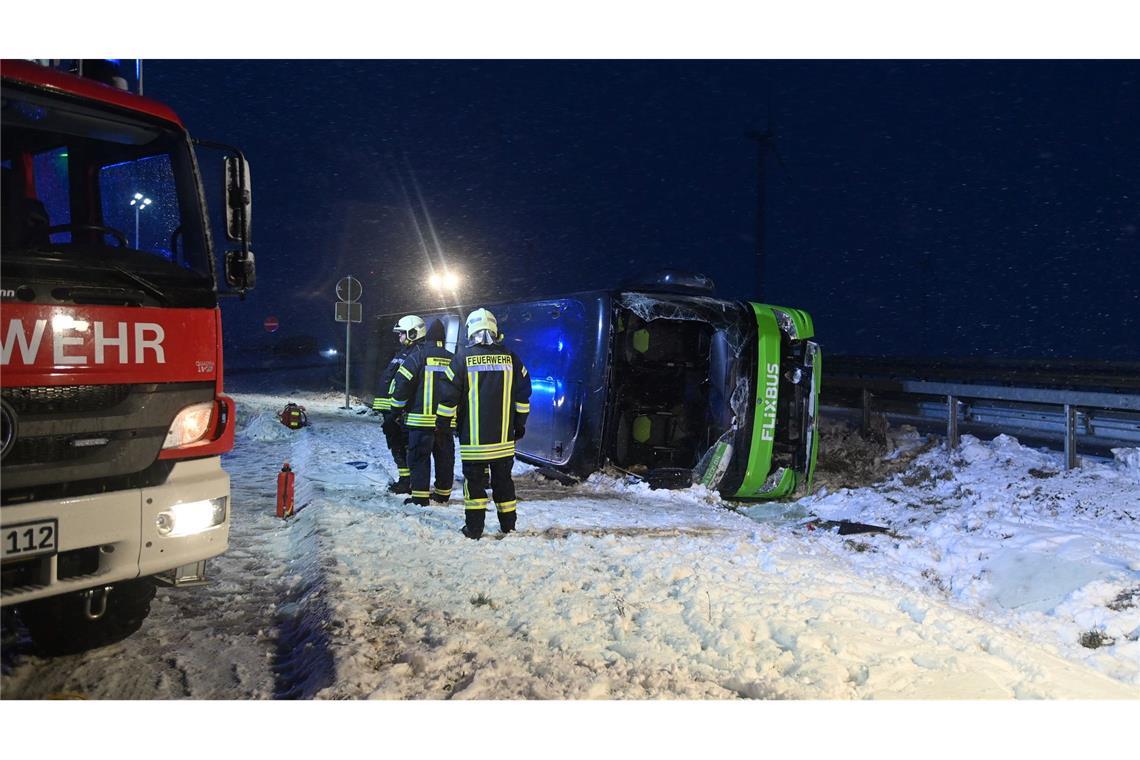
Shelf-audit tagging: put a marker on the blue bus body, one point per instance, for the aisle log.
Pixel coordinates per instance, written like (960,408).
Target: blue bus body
(673,387)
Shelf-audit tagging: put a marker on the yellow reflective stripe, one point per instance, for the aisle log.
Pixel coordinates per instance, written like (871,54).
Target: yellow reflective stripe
(483,457)
(450,374)
(484,453)
(507,506)
(441,492)
(445,411)
(398,404)
(404,371)
(487,446)
(522,408)
(477,504)
(429,391)
(420,420)
(403,471)
(505,409)
(421,494)
(473,406)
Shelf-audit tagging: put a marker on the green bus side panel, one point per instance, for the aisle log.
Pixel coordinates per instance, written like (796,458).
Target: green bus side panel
(760,454)
(767,353)
(816,380)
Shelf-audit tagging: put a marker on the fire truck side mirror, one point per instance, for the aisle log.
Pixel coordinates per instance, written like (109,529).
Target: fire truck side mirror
(239,201)
(240,271)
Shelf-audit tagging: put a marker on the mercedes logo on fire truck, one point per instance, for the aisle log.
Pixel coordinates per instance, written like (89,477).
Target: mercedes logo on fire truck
(7,428)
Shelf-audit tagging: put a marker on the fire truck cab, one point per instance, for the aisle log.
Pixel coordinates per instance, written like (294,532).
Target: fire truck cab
(114,416)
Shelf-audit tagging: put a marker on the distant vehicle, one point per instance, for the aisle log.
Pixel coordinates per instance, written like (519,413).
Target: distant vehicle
(113,410)
(663,381)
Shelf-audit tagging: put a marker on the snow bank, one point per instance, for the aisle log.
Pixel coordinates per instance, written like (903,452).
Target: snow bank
(265,426)
(1003,531)
(999,575)
(1129,461)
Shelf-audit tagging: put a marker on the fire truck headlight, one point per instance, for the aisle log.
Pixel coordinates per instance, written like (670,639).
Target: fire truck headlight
(190,425)
(191,517)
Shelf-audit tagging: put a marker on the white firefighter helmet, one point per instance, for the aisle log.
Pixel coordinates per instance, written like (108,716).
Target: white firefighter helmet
(412,326)
(482,321)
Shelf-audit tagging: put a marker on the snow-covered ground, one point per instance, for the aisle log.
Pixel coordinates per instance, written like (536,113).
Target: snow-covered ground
(1000,575)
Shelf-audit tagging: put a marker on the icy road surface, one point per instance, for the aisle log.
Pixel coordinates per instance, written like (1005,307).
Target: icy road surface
(1002,576)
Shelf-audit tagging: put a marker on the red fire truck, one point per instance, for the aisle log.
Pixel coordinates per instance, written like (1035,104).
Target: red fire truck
(114,417)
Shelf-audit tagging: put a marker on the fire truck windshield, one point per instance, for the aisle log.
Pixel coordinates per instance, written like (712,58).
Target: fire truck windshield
(88,190)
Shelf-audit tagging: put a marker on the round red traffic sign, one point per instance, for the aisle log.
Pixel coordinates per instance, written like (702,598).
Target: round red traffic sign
(271,324)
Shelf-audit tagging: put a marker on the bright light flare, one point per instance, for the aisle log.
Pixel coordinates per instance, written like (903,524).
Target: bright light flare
(61,322)
(443,281)
(190,425)
(189,518)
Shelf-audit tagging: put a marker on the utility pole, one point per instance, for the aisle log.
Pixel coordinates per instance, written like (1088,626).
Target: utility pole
(764,142)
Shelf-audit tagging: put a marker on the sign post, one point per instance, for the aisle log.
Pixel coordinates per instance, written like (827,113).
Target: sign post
(348,310)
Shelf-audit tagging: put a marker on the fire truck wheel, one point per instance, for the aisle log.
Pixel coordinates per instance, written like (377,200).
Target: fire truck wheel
(58,625)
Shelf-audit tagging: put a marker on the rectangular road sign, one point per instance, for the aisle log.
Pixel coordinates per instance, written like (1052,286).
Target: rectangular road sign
(347,312)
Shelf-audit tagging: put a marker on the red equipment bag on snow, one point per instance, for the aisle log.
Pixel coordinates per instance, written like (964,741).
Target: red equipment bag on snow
(293,416)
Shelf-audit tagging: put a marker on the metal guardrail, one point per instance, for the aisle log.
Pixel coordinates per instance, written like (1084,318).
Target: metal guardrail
(1094,404)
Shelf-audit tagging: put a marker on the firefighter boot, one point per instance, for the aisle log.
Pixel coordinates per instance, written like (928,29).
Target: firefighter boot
(473,522)
(403,485)
(419,501)
(507,521)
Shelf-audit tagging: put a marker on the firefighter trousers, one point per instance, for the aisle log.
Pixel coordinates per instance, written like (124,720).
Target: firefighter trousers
(397,437)
(424,445)
(476,476)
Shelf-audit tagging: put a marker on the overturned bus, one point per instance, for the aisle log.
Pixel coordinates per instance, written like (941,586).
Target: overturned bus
(663,381)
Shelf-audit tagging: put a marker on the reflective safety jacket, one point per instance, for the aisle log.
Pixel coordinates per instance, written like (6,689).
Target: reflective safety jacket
(416,385)
(383,402)
(488,390)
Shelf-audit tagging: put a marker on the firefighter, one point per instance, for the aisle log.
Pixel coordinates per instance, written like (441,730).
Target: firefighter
(408,330)
(417,387)
(488,390)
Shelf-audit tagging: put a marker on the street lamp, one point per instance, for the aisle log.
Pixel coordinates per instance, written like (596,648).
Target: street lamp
(139,201)
(443,282)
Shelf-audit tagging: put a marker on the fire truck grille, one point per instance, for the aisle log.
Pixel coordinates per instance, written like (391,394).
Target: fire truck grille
(74,440)
(65,399)
(56,449)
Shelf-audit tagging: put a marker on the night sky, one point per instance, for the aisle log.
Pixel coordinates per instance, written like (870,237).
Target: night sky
(943,208)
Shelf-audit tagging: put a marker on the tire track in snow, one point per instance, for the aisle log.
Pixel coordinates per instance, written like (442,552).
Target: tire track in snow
(307,620)
(303,662)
